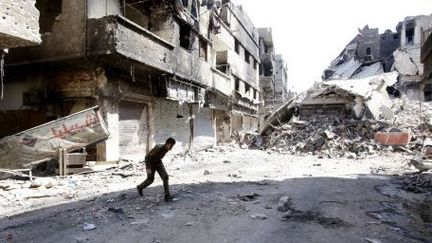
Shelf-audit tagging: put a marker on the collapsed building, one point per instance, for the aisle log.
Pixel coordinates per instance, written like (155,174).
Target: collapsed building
(361,108)
(186,69)
(371,53)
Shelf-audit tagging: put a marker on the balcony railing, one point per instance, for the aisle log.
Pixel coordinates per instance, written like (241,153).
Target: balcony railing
(224,68)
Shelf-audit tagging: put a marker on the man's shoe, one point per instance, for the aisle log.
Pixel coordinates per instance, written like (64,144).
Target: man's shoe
(140,191)
(169,198)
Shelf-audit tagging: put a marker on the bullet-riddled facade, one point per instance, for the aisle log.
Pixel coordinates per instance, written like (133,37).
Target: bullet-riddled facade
(19,23)
(157,69)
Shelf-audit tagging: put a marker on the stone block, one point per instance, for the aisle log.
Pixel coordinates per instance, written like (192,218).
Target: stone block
(393,138)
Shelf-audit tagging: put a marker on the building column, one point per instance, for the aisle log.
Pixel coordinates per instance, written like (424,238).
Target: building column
(109,150)
(403,35)
(417,35)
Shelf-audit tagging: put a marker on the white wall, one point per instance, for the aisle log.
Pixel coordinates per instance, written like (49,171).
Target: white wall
(98,9)
(168,125)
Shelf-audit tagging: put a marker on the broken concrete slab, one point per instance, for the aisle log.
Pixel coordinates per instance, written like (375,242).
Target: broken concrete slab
(358,94)
(368,71)
(404,63)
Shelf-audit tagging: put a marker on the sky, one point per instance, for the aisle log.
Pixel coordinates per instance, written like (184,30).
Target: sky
(310,34)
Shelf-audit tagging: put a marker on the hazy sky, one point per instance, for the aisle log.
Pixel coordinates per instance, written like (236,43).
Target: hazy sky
(310,34)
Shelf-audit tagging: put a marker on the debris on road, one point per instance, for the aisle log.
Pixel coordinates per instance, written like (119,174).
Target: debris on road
(116,210)
(192,224)
(258,216)
(88,226)
(283,204)
(422,166)
(248,197)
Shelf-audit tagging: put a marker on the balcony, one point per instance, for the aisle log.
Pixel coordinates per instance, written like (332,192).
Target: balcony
(222,41)
(222,82)
(120,42)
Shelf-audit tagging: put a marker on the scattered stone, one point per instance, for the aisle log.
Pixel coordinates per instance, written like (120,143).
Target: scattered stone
(258,216)
(351,156)
(124,174)
(206,172)
(167,215)
(88,226)
(248,197)
(116,210)
(369,240)
(192,224)
(140,222)
(36,184)
(284,204)
(422,166)
(226,162)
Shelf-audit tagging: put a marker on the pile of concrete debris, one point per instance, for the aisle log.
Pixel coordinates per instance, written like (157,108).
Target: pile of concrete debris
(329,138)
(350,119)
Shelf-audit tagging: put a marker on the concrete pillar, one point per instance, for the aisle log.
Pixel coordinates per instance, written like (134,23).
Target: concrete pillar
(110,149)
(417,35)
(403,35)
(113,143)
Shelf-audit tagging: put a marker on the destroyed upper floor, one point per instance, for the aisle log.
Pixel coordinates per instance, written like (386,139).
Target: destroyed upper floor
(371,53)
(207,42)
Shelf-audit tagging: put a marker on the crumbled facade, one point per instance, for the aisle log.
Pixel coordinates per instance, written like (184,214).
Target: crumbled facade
(186,69)
(273,74)
(282,92)
(408,56)
(267,69)
(371,53)
(19,24)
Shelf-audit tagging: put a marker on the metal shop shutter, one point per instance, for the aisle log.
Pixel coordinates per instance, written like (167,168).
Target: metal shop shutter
(133,130)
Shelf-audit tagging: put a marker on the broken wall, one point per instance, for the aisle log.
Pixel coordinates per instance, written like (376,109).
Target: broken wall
(63,33)
(19,24)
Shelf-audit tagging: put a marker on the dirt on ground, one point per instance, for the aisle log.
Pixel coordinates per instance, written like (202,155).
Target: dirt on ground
(227,194)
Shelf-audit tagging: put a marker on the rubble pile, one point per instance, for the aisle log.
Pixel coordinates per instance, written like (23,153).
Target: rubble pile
(323,137)
(332,136)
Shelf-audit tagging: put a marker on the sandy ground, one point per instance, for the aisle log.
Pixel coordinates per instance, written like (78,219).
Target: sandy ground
(225,195)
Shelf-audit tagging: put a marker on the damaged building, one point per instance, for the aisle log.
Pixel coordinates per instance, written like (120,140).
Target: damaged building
(408,56)
(371,53)
(273,74)
(426,57)
(19,24)
(187,69)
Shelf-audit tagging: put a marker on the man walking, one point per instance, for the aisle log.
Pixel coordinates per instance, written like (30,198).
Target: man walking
(153,162)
